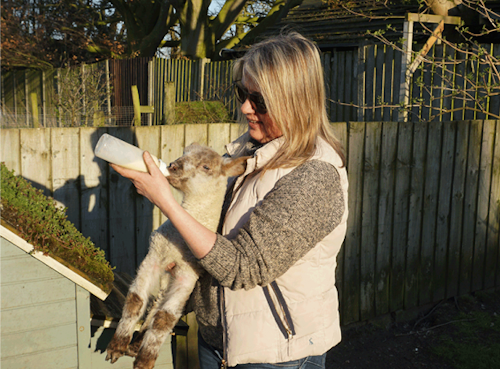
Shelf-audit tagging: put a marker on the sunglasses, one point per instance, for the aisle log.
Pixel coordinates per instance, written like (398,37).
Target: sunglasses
(256,99)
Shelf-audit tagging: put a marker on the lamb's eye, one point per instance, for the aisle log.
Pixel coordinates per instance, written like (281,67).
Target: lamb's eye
(206,167)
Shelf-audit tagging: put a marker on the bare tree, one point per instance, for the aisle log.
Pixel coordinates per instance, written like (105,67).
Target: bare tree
(466,75)
(81,92)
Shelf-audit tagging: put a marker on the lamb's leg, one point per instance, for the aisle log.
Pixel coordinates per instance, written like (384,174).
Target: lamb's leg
(135,305)
(165,319)
(133,348)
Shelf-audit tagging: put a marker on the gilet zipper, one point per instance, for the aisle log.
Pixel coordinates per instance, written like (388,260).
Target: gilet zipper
(224,328)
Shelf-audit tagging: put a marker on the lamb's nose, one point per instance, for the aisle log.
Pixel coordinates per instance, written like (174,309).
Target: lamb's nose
(172,167)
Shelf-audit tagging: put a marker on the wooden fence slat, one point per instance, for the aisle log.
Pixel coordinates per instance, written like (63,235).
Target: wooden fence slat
(8,93)
(218,137)
(10,149)
(481,96)
(340,131)
(196,133)
(326,62)
(416,92)
(146,214)
(443,212)
(493,240)
(437,84)
(401,214)
(415,214)
(369,85)
(398,60)
(36,158)
(484,183)
(471,67)
(429,211)
(457,206)
(66,170)
(350,88)
(371,180)
(470,206)
(236,130)
(388,83)
(94,186)
(459,100)
(427,88)
(449,55)
(350,305)
(121,204)
(379,81)
(495,99)
(172,147)
(385,217)
(334,108)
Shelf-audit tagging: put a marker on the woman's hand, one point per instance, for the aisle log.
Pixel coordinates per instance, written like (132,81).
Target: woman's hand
(153,185)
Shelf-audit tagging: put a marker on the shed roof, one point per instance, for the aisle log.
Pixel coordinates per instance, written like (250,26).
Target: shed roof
(333,24)
(52,263)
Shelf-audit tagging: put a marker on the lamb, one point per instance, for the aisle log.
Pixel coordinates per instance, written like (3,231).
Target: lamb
(201,175)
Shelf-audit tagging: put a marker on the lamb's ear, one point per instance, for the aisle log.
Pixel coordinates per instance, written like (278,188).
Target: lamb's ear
(235,167)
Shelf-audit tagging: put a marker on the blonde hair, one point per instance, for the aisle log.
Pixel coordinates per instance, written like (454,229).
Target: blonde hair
(288,72)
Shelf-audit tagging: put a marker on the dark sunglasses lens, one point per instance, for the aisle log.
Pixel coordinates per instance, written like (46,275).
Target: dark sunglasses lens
(260,105)
(241,94)
(257,100)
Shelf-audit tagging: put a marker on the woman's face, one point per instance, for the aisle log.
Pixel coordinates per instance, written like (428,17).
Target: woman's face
(260,126)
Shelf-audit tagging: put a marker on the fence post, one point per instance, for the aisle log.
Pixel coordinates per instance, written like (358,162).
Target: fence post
(360,83)
(151,70)
(59,113)
(34,109)
(404,91)
(108,89)
(201,76)
(138,109)
(168,103)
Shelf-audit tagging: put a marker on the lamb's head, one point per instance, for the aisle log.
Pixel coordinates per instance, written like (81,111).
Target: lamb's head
(201,170)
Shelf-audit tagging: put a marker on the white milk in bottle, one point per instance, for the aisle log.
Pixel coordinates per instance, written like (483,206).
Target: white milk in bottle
(124,154)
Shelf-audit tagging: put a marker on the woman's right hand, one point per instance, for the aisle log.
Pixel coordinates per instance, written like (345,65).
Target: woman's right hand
(152,185)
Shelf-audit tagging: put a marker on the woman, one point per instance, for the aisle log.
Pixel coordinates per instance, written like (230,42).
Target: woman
(269,297)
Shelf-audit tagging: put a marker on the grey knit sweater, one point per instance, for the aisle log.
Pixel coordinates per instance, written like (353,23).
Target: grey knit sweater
(303,208)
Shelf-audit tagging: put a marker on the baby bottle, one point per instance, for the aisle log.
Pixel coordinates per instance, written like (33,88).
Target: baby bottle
(124,154)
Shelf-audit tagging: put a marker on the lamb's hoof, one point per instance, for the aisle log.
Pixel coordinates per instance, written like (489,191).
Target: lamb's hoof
(144,363)
(117,348)
(113,356)
(133,349)
(145,360)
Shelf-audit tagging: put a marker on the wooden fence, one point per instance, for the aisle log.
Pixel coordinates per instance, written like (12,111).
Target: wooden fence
(424,202)
(362,84)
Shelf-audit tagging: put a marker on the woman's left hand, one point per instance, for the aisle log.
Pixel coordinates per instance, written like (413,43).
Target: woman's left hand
(153,185)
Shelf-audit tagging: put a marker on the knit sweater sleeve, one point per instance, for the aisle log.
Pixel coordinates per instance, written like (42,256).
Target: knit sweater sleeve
(303,208)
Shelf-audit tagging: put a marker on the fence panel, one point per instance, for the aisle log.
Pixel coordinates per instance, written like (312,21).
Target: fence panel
(370,204)
(385,218)
(424,202)
(443,210)
(65,144)
(361,84)
(350,310)
(401,214)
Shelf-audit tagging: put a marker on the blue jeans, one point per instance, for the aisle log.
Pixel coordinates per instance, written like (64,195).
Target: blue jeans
(211,358)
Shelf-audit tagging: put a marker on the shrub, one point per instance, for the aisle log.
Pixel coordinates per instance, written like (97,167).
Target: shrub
(37,220)
(201,112)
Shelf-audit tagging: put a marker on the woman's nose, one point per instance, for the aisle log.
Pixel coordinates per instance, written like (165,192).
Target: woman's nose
(247,107)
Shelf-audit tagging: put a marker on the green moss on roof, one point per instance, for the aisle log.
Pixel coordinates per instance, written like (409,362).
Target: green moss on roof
(38,221)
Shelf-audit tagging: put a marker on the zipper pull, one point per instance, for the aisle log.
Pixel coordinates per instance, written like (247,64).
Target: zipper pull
(223,364)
